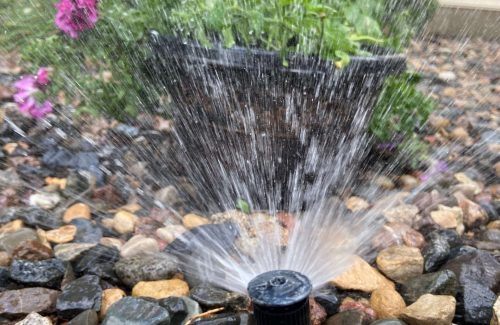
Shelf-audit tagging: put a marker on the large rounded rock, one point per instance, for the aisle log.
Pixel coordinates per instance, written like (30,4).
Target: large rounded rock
(153,267)
(438,283)
(211,297)
(98,260)
(161,289)
(46,273)
(242,318)
(349,317)
(79,295)
(136,311)
(387,303)
(25,301)
(478,275)
(400,263)
(430,310)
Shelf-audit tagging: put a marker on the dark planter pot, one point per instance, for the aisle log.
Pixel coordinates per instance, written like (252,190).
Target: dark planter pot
(255,129)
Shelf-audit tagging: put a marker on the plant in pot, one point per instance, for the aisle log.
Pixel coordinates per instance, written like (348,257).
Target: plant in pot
(275,93)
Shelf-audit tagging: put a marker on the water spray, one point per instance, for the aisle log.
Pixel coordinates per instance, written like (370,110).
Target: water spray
(280,297)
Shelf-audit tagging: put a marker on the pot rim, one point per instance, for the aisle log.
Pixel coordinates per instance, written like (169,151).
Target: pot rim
(255,58)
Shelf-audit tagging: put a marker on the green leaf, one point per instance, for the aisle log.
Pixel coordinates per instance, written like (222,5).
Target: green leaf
(243,206)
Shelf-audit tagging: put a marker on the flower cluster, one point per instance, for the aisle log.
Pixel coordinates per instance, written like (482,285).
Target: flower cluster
(27,88)
(75,16)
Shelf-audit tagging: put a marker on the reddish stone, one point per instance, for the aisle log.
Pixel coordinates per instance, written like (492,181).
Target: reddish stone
(317,312)
(32,250)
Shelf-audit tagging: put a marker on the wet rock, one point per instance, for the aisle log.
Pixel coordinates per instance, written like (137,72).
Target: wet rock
(25,301)
(438,248)
(168,196)
(32,250)
(98,260)
(77,296)
(192,220)
(10,241)
(45,201)
(70,251)
(62,235)
(400,263)
(408,182)
(317,313)
(124,222)
(109,297)
(153,267)
(139,245)
(111,242)
(176,309)
(495,320)
(473,213)
(212,297)
(58,157)
(46,273)
(360,304)
(447,76)
(492,235)
(439,283)
(40,218)
(86,231)
(349,317)
(136,311)
(88,317)
(397,234)
(161,289)
(355,203)
(35,319)
(170,233)
(361,276)
(404,213)
(387,303)
(447,217)
(77,211)
(430,310)
(242,318)
(329,301)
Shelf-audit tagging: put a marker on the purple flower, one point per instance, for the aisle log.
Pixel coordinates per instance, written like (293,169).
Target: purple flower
(27,88)
(437,168)
(75,16)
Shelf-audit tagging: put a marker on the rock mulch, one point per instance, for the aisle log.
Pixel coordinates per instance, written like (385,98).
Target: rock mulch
(85,223)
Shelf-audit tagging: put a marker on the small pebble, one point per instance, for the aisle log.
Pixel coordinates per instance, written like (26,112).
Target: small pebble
(77,211)
(62,235)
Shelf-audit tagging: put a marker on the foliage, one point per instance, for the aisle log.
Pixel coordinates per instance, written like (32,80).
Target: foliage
(104,69)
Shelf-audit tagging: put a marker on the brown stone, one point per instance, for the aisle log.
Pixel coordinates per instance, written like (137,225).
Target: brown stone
(361,276)
(387,303)
(139,244)
(35,319)
(25,301)
(70,251)
(408,182)
(4,259)
(355,203)
(32,250)
(12,226)
(317,312)
(161,288)
(77,211)
(62,235)
(447,217)
(430,310)
(111,242)
(404,213)
(109,297)
(192,220)
(170,232)
(124,222)
(400,263)
(473,213)
(460,134)
(495,320)
(494,225)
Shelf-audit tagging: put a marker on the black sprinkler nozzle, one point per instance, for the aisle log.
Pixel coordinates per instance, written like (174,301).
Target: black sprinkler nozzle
(280,297)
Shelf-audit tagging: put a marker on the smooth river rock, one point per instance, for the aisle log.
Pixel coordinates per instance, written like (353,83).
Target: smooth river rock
(25,301)
(136,311)
(438,283)
(79,295)
(430,310)
(400,263)
(160,266)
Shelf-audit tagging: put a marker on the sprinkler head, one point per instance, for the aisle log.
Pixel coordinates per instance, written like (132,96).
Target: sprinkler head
(280,297)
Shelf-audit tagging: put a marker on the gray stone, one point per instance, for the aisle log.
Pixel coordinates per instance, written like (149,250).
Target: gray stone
(25,301)
(40,218)
(9,241)
(88,317)
(160,266)
(70,251)
(349,317)
(82,294)
(35,319)
(46,273)
(211,297)
(242,318)
(438,283)
(388,322)
(136,311)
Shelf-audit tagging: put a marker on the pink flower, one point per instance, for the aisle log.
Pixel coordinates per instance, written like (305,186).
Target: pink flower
(27,88)
(75,16)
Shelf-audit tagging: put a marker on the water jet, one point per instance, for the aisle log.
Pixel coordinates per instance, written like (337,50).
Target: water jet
(280,297)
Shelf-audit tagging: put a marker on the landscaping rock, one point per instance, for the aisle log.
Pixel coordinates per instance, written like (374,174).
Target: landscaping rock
(361,276)
(45,201)
(124,222)
(10,241)
(447,217)
(330,302)
(32,250)
(405,213)
(77,211)
(25,301)
(153,267)
(35,319)
(177,309)
(438,283)
(79,295)
(400,263)
(192,220)
(69,252)
(62,235)
(211,297)
(226,319)
(139,245)
(46,273)
(438,249)
(430,310)
(161,289)
(136,311)
(98,260)
(87,231)
(88,317)
(387,303)
(37,217)
(109,297)
(350,317)
(389,322)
